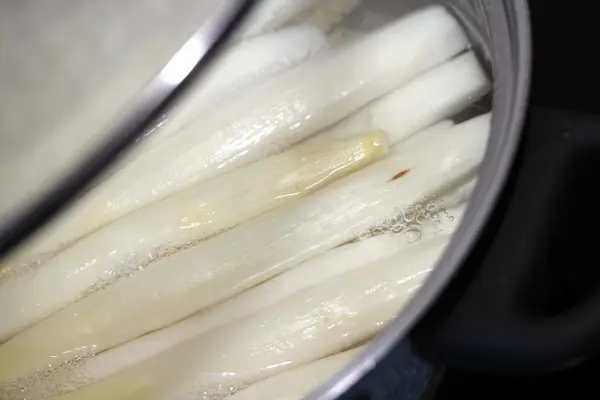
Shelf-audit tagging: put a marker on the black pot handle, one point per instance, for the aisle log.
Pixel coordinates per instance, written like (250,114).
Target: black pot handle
(527,300)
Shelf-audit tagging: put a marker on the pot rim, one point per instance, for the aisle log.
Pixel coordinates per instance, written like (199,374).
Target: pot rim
(511,54)
(157,97)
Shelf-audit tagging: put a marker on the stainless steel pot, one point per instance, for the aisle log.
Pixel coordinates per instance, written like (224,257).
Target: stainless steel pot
(500,32)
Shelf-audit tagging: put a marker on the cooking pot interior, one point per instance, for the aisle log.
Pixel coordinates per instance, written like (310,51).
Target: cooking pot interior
(268,228)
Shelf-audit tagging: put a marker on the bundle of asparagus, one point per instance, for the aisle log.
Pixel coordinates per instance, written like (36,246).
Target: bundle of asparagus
(246,242)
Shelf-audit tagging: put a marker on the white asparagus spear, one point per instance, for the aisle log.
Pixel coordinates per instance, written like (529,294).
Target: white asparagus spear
(219,268)
(270,117)
(423,137)
(461,194)
(298,382)
(435,95)
(331,263)
(314,323)
(464,189)
(342,35)
(270,15)
(324,90)
(327,14)
(129,244)
(244,64)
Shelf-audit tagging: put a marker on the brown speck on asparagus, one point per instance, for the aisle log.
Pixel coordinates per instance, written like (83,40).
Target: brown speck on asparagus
(400,174)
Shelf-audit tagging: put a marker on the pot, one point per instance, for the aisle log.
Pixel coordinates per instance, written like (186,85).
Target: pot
(499,32)
(503,35)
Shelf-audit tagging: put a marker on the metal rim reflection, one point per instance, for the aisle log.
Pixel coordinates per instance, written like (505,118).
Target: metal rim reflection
(160,94)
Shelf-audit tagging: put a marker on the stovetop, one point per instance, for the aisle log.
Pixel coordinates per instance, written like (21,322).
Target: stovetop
(565,64)
(581,382)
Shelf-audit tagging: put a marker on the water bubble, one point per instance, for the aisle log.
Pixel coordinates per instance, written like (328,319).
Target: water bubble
(412,234)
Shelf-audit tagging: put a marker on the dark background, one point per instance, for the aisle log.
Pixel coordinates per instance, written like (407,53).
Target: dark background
(566,57)
(565,76)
